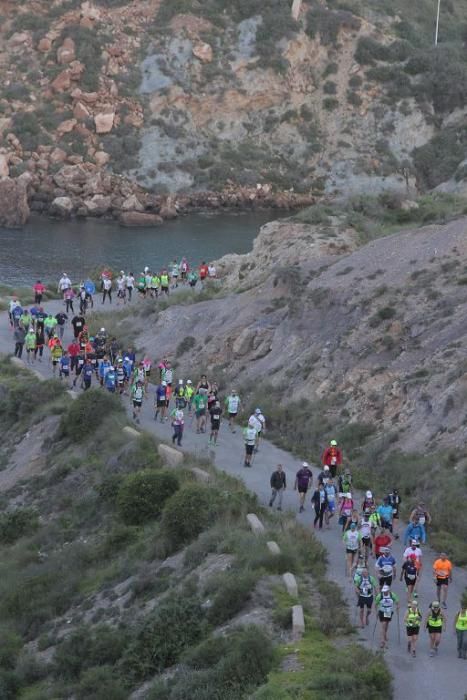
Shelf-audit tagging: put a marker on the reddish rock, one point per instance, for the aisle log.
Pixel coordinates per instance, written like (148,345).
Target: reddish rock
(76,70)
(66,53)
(132,203)
(58,155)
(4,167)
(66,126)
(101,158)
(19,38)
(14,208)
(74,159)
(44,45)
(61,207)
(203,52)
(98,205)
(62,82)
(136,218)
(104,122)
(89,97)
(80,111)
(71,175)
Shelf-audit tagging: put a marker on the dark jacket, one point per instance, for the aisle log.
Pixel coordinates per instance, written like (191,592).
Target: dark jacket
(278,480)
(316,499)
(19,335)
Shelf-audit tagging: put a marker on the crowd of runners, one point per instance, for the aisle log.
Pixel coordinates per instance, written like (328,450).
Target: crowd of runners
(368,526)
(368,529)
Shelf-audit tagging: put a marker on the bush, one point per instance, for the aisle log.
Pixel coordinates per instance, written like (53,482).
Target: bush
(330,104)
(176,624)
(87,647)
(188,343)
(328,23)
(438,159)
(329,87)
(190,511)
(142,495)
(24,397)
(16,524)
(10,646)
(85,415)
(100,683)
(233,592)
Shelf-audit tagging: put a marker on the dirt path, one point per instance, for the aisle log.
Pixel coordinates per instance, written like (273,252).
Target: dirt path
(441,678)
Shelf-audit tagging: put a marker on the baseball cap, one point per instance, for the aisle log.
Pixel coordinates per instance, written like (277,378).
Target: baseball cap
(188,381)
(333,443)
(164,383)
(413,542)
(305,464)
(257,410)
(385,589)
(369,494)
(326,468)
(435,604)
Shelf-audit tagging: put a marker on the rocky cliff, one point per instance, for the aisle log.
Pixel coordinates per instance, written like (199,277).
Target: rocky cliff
(221,101)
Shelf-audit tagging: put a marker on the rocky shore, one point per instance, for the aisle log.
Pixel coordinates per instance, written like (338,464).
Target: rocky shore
(83,190)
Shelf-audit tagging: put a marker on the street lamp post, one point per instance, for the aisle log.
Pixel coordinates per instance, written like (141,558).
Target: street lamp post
(437,23)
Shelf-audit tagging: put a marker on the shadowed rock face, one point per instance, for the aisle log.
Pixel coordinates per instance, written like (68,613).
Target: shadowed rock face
(14,208)
(382,327)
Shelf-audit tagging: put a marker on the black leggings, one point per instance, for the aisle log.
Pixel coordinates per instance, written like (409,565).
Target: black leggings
(319,511)
(108,293)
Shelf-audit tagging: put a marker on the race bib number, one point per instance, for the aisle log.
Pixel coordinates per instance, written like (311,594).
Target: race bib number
(387,614)
(421,520)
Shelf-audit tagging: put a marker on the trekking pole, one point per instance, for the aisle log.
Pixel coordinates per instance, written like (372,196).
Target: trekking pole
(374,630)
(398,629)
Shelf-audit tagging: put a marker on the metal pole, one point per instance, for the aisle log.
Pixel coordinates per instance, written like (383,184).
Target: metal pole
(437,23)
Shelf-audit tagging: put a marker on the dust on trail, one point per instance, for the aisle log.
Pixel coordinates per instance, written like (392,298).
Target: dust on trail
(441,678)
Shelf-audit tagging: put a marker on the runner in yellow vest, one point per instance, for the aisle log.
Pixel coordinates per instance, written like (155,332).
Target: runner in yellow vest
(412,620)
(461,630)
(434,626)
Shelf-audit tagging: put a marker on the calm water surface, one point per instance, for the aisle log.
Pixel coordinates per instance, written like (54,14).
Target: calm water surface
(45,248)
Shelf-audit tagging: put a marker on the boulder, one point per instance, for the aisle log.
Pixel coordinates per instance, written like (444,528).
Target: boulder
(104,122)
(66,53)
(66,126)
(71,175)
(132,203)
(76,70)
(171,456)
(201,474)
(62,82)
(203,52)
(273,548)
(255,524)
(298,623)
(58,155)
(168,211)
(98,205)
(14,208)
(61,207)
(101,158)
(19,38)
(137,218)
(89,97)
(44,45)
(88,10)
(80,111)
(4,167)
(291,584)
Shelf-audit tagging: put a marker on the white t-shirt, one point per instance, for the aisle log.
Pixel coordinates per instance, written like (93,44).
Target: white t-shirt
(130,281)
(256,423)
(65,283)
(417,551)
(233,403)
(107,284)
(212,272)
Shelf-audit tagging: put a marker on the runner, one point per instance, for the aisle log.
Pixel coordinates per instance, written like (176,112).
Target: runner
(164,277)
(203,271)
(106,289)
(320,502)
(395,502)
(385,602)
(215,412)
(442,570)
(110,379)
(233,403)
(420,518)
(155,285)
(49,324)
(385,513)
(381,540)
(331,494)
(434,626)
(130,285)
(174,272)
(412,620)
(278,482)
(78,323)
(369,503)
(14,311)
(409,571)
(64,284)
(332,456)
(39,291)
(68,297)
(201,403)
(345,509)
(30,342)
(121,288)
(137,395)
(414,551)
(179,395)
(64,366)
(351,539)
(40,340)
(365,531)
(86,374)
(192,278)
(19,335)
(303,479)
(160,401)
(56,352)
(262,429)
(365,588)
(460,624)
(61,319)
(385,567)
(178,423)
(324,475)
(249,438)
(345,481)
(184,269)
(189,394)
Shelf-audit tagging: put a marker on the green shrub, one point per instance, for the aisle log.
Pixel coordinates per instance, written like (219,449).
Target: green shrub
(233,591)
(25,397)
(142,495)
(100,683)
(86,414)
(175,625)
(88,647)
(328,23)
(437,160)
(185,345)
(329,87)
(386,312)
(190,511)
(17,523)
(10,646)
(330,103)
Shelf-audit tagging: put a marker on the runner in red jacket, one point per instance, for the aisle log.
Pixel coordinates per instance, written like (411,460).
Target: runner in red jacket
(332,456)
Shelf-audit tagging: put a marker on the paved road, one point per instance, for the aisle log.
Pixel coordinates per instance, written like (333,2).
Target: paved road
(424,678)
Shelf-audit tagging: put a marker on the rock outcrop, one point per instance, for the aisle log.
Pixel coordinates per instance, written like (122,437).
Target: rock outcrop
(14,207)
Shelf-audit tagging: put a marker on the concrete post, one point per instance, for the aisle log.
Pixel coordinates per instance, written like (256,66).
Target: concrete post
(296,7)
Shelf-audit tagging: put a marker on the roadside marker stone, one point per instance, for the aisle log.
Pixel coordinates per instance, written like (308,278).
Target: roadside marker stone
(131,432)
(274,548)
(296,7)
(255,523)
(298,623)
(170,455)
(291,584)
(72,394)
(200,474)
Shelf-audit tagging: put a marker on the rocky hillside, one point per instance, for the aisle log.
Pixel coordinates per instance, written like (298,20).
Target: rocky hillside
(110,106)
